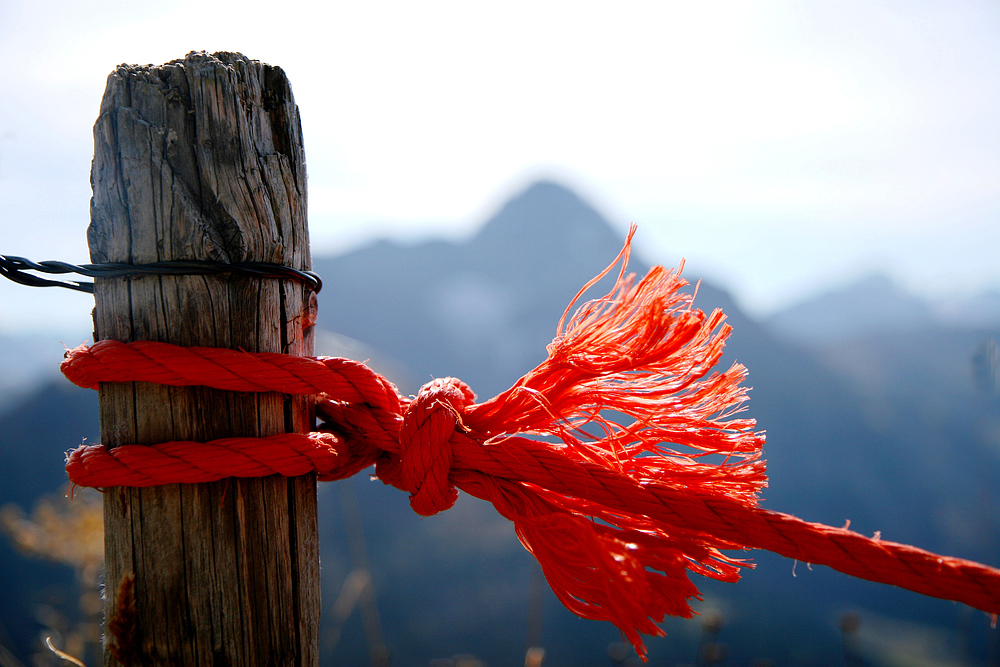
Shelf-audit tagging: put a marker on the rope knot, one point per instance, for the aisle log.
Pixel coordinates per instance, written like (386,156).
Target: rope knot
(425,447)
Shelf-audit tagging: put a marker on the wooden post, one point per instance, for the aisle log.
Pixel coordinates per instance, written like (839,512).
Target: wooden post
(202,158)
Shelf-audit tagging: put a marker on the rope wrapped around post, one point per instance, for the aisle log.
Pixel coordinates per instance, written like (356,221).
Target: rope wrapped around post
(616,510)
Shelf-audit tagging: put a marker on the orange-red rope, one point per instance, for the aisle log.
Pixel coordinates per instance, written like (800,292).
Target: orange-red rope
(617,511)
(288,454)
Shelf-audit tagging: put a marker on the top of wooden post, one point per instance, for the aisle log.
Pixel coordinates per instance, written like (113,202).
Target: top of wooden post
(219,135)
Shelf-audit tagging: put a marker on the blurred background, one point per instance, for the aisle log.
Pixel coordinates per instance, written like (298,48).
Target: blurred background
(831,171)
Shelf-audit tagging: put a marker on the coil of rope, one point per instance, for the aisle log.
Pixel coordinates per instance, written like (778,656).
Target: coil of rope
(617,510)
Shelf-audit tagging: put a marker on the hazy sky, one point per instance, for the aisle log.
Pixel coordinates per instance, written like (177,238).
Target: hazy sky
(780,146)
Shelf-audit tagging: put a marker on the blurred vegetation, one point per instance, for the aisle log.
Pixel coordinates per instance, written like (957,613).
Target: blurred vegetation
(67,530)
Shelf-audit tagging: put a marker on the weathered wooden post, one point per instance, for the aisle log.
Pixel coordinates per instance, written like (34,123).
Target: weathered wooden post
(202,158)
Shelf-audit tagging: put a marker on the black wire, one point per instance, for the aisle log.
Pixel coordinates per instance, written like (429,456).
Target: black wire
(14,269)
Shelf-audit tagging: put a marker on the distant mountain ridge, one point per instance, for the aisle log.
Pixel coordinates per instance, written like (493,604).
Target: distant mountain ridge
(484,309)
(874,305)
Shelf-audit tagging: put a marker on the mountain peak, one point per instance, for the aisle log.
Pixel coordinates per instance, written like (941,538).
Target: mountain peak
(548,213)
(873,303)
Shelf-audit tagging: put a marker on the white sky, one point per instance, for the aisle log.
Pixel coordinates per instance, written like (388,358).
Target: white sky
(781,147)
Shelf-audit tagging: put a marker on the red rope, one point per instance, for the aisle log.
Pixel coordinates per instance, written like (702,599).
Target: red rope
(615,511)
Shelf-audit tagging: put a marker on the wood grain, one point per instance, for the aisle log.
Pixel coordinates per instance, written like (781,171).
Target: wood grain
(202,158)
